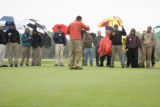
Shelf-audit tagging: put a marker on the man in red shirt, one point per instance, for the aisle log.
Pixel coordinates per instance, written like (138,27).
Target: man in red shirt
(74,30)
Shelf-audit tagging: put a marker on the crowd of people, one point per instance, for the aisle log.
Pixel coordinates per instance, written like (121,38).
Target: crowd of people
(81,45)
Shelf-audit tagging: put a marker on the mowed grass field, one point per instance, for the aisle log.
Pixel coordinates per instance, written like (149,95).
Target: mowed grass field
(50,86)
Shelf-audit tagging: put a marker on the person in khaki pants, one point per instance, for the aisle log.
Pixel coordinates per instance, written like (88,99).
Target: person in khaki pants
(3,43)
(148,41)
(26,43)
(60,41)
(13,45)
(116,38)
(75,53)
(36,48)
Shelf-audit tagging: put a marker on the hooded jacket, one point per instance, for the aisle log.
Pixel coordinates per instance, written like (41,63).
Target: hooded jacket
(132,42)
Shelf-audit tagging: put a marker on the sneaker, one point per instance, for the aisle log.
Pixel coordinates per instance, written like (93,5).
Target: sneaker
(61,65)
(91,65)
(16,65)
(21,65)
(56,65)
(78,68)
(11,65)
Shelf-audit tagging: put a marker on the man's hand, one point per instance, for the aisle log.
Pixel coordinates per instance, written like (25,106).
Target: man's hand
(64,46)
(29,38)
(113,33)
(9,34)
(60,35)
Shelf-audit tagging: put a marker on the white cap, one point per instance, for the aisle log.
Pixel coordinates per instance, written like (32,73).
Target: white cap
(2,23)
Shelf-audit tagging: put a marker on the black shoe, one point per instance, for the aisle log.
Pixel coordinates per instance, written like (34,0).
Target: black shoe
(21,65)
(111,66)
(97,64)
(101,65)
(91,65)
(11,65)
(16,65)
(78,68)
(4,66)
(56,65)
(123,66)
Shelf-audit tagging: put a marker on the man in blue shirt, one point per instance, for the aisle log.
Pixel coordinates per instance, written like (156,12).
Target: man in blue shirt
(60,41)
(26,43)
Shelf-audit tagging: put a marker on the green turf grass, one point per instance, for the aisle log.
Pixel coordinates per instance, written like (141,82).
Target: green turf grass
(49,86)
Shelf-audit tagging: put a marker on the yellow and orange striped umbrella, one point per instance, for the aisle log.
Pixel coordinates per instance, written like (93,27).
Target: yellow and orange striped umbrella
(110,22)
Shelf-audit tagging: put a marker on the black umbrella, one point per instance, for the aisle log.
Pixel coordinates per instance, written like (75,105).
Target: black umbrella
(35,25)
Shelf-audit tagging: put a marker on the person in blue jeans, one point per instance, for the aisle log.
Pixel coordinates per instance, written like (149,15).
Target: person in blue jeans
(88,51)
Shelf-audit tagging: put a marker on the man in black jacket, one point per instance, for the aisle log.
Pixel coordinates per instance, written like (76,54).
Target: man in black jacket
(3,43)
(36,48)
(60,41)
(13,45)
(116,38)
(96,45)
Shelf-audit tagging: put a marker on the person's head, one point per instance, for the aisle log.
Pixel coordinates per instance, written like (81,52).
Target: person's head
(133,32)
(149,29)
(88,34)
(59,29)
(107,33)
(35,32)
(1,27)
(99,33)
(79,18)
(12,26)
(115,27)
(27,30)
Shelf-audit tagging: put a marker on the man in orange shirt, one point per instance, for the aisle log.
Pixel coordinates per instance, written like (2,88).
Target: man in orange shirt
(74,30)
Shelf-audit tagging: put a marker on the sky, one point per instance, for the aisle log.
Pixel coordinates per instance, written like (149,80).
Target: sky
(136,14)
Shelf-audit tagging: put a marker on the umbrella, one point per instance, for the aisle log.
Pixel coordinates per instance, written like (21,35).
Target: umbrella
(9,20)
(109,28)
(111,21)
(63,28)
(35,25)
(157,31)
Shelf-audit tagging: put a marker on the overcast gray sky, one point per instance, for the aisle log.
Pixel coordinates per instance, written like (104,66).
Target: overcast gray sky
(134,13)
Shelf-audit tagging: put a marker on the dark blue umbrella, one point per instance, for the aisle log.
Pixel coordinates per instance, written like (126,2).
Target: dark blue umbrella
(109,28)
(9,20)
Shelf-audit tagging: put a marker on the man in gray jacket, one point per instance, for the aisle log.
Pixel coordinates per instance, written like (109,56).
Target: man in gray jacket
(148,41)
(96,45)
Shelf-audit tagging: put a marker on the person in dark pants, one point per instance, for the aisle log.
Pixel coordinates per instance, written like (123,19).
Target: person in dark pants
(132,46)
(105,49)
(108,60)
(152,57)
(96,45)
